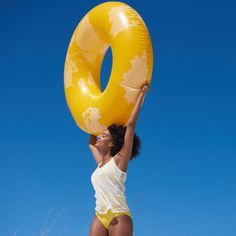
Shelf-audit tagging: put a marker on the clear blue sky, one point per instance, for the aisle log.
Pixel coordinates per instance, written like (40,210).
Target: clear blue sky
(184,181)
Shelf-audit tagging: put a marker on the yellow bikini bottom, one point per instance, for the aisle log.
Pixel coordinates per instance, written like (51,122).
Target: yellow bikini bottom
(106,219)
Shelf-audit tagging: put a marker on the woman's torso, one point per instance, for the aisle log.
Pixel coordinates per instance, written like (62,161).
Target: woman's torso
(108,181)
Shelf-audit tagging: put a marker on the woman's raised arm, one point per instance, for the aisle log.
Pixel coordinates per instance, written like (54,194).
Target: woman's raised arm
(127,147)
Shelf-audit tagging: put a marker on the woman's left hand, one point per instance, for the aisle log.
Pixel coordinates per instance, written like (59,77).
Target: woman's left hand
(145,89)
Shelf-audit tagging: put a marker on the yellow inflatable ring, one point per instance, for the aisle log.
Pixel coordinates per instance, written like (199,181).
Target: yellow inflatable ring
(115,25)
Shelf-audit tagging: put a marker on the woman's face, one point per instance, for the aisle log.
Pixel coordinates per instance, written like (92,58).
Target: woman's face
(104,140)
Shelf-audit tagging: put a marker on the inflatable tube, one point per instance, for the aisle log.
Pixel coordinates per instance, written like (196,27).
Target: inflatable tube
(115,25)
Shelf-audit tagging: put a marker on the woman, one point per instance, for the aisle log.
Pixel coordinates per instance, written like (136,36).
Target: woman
(112,151)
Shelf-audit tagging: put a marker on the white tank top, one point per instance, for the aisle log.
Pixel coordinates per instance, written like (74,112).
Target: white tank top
(108,183)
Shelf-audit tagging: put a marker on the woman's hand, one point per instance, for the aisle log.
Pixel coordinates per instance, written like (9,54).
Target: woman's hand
(92,139)
(145,89)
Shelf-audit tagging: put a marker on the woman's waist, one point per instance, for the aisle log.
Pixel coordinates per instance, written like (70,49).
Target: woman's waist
(110,196)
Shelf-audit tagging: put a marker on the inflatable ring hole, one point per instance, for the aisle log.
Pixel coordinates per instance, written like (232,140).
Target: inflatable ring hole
(106,69)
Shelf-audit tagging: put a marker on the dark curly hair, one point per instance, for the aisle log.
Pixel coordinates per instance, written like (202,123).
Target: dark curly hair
(118,134)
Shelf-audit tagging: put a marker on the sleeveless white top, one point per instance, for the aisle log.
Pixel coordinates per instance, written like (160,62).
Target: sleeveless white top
(108,183)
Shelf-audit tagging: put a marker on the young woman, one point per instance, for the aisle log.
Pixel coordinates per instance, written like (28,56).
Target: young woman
(112,151)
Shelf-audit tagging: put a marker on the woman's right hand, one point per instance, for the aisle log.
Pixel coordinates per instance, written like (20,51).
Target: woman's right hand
(92,139)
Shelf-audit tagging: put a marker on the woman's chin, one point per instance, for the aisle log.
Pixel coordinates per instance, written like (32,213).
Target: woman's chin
(97,145)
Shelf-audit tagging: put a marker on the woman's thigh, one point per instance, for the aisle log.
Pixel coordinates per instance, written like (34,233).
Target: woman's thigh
(121,225)
(97,229)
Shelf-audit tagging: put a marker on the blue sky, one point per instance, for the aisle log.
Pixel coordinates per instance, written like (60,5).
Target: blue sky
(184,181)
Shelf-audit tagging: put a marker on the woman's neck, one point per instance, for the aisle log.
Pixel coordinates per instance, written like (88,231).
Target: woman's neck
(107,157)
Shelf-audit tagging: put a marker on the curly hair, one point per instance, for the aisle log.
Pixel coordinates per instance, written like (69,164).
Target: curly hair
(118,134)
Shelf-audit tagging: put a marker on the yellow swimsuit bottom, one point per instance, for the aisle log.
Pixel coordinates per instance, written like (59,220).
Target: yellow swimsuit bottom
(106,219)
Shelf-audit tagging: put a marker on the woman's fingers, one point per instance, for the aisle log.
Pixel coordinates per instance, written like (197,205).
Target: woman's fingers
(145,89)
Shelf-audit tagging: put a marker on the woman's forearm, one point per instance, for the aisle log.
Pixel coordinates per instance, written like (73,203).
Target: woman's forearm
(134,115)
